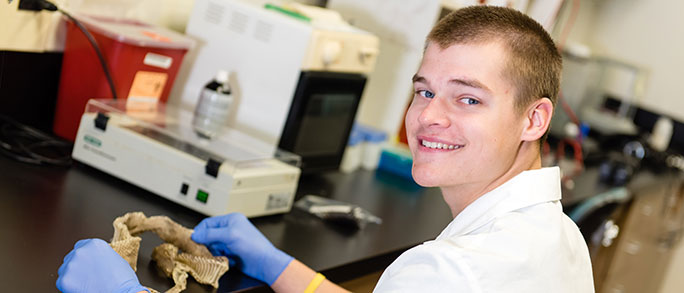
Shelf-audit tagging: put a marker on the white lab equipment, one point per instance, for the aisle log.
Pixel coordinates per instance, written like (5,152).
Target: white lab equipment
(299,73)
(610,104)
(661,134)
(158,150)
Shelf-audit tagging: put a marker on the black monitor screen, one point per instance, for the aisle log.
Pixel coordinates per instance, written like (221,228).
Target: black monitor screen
(324,127)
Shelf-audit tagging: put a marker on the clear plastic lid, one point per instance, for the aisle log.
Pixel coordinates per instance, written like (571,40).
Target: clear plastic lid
(136,33)
(172,126)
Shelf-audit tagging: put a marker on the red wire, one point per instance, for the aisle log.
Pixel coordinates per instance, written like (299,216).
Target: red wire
(577,148)
(568,109)
(569,24)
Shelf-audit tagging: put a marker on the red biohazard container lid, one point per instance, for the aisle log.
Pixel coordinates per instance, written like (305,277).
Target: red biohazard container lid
(136,33)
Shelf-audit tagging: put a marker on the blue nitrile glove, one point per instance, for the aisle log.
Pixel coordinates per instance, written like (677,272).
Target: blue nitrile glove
(234,236)
(93,266)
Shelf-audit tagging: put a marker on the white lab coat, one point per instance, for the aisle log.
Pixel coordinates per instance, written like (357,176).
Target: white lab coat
(515,238)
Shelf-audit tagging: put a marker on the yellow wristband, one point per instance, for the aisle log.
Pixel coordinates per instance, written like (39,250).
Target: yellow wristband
(317,280)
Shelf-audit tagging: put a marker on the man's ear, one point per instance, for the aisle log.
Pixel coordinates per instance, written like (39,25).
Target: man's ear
(537,120)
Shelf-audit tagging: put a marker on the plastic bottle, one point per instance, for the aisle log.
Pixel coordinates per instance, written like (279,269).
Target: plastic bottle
(374,140)
(351,160)
(662,134)
(213,106)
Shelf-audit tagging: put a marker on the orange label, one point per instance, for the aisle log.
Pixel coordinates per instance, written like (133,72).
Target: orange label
(146,89)
(148,84)
(156,36)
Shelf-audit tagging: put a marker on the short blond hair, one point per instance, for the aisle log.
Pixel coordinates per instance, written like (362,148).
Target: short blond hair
(534,63)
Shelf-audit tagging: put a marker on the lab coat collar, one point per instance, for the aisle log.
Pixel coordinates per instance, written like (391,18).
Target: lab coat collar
(526,189)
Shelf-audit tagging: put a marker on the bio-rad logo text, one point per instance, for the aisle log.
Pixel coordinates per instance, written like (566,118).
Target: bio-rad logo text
(92,140)
(93,145)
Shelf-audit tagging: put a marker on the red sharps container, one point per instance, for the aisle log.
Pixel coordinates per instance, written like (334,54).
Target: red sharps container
(143,60)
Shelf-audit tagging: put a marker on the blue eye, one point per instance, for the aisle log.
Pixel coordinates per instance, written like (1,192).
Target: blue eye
(469,101)
(427,94)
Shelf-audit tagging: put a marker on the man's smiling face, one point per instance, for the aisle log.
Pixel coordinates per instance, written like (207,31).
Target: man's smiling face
(462,125)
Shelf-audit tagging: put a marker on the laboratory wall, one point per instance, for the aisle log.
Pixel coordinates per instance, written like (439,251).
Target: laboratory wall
(648,34)
(389,88)
(577,17)
(173,14)
(30,31)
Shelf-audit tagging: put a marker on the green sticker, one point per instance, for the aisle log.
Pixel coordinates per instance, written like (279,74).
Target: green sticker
(92,140)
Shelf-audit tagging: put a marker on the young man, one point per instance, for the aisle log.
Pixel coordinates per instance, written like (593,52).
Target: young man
(484,97)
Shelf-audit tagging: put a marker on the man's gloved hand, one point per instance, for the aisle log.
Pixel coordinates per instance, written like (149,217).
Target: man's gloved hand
(93,266)
(234,236)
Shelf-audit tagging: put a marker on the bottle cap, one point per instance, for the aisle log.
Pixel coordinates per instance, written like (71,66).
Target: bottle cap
(222,76)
